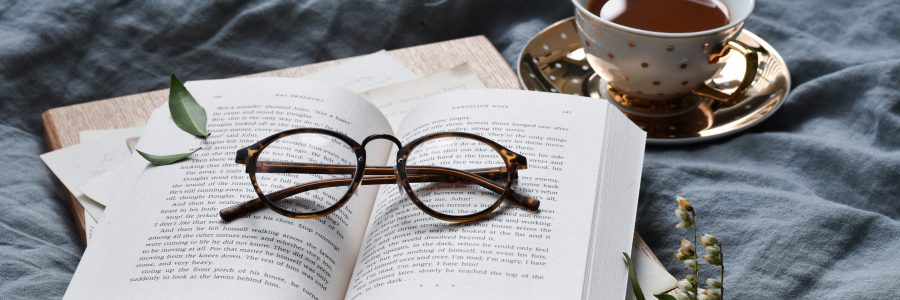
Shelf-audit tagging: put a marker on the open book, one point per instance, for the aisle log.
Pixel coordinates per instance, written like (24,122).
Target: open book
(164,238)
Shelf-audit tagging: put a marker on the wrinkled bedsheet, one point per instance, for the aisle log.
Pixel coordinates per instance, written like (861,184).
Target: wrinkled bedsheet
(806,204)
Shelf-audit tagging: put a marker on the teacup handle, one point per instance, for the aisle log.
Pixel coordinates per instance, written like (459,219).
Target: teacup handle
(750,55)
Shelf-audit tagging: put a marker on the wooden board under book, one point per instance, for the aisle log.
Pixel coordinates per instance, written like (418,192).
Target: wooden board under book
(63,124)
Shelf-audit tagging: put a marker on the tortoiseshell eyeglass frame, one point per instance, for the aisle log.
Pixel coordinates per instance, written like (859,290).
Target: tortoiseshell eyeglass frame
(371,175)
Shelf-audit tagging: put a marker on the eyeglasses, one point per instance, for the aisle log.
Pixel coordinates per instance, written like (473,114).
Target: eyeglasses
(310,172)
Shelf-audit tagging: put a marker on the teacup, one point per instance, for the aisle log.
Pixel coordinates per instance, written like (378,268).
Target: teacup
(656,67)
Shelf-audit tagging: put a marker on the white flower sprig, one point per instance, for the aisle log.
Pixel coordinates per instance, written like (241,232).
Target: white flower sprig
(714,257)
(689,288)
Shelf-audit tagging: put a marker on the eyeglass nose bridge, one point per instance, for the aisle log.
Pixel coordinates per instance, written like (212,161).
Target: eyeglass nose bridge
(392,139)
(388,137)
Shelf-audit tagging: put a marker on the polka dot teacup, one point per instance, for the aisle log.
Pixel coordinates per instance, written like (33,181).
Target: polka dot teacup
(660,65)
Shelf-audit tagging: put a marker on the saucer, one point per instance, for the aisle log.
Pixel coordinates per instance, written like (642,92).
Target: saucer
(553,61)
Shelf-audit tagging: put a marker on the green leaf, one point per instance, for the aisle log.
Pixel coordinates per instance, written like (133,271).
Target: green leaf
(162,160)
(187,113)
(664,296)
(635,285)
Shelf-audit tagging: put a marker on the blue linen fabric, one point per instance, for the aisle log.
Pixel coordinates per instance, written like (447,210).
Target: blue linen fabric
(806,204)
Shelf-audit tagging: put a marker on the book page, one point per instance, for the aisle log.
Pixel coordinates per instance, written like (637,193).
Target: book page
(164,239)
(358,74)
(516,254)
(119,133)
(99,188)
(396,100)
(365,73)
(89,225)
(652,275)
(75,164)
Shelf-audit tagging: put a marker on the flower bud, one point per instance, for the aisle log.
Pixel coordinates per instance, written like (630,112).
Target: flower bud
(684,204)
(713,260)
(682,214)
(702,294)
(691,263)
(684,224)
(708,240)
(713,250)
(713,283)
(712,294)
(686,250)
(686,245)
(682,295)
(681,255)
(684,285)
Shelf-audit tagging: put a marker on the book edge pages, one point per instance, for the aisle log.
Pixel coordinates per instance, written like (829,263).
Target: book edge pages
(639,144)
(76,211)
(619,135)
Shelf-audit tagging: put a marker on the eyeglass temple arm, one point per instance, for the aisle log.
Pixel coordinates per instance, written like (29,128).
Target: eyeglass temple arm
(436,174)
(305,168)
(476,176)
(417,174)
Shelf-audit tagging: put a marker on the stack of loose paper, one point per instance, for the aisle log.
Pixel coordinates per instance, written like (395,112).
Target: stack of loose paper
(92,170)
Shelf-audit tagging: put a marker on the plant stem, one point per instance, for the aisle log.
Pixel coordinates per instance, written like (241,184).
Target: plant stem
(721,271)
(696,282)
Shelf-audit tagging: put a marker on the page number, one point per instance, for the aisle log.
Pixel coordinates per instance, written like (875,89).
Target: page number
(567,112)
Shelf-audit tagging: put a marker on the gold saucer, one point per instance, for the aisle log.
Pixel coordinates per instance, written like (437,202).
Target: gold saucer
(553,61)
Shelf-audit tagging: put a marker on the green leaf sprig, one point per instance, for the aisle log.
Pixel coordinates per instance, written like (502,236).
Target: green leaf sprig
(635,285)
(162,160)
(188,115)
(186,112)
